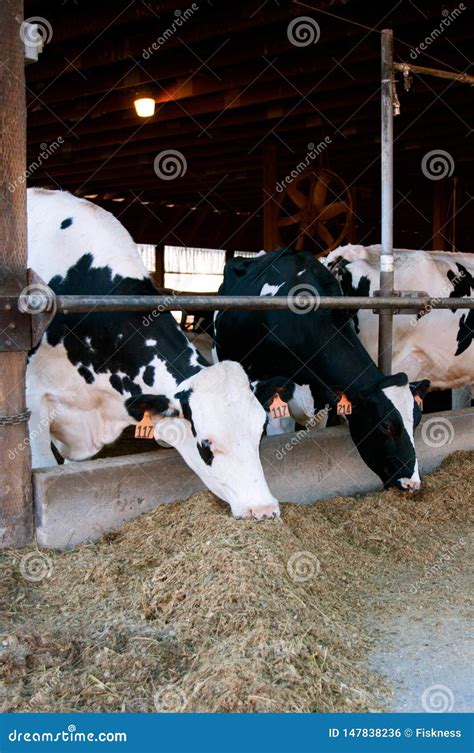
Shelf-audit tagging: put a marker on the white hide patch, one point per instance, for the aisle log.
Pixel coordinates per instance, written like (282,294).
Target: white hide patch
(301,273)
(150,342)
(271,289)
(403,400)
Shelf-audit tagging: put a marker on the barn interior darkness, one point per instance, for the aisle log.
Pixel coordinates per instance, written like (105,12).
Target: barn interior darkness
(244,101)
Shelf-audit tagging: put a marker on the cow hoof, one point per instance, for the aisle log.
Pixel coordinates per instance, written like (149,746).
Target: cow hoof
(262,513)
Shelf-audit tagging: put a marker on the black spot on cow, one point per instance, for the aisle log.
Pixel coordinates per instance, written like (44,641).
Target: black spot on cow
(183,398)
(86,374)
(204,449)
(465,334)
(66,223)
(348,288)
(462,282)
(149,375)
(116,383)
(156,404)
(130,386)
(91,340)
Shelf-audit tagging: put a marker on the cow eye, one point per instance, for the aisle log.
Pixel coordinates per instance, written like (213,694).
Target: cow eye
(387,429)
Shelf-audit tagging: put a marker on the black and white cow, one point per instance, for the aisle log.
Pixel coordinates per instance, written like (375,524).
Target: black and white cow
(320,348)
(439,343)
(92,375)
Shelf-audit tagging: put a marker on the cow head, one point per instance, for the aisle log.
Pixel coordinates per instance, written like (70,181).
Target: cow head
(216,423)
(382,426)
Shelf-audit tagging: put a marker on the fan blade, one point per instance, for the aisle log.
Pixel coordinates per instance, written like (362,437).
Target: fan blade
(297,196)
(284,221)
(332,210)
(322,231)
(320,192)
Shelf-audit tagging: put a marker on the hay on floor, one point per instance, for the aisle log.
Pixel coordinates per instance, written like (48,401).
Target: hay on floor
(187,609)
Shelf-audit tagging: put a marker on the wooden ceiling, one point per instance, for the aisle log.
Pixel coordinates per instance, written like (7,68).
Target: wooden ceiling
(228,82)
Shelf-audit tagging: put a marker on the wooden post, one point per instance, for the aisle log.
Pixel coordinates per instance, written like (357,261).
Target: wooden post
(16,510)
(438,242)
(270,231)
(159,273)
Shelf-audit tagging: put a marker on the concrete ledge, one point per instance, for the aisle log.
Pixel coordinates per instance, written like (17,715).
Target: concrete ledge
(80,502)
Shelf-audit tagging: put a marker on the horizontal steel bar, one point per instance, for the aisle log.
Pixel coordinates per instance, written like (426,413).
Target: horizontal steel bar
(76,304)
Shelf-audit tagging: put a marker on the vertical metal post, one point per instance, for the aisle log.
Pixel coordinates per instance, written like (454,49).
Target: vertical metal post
(16,511)
(386,257)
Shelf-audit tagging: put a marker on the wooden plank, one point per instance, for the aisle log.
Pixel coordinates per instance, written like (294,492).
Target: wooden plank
(16,512)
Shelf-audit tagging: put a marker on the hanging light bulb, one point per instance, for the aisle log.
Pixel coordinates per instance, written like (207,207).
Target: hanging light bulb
(144,106)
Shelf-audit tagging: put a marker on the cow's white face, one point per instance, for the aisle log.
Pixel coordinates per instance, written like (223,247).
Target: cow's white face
(216,423)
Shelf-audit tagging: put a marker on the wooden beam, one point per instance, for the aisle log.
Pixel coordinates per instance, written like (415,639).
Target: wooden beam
(16,511)
(269,198)
(438,242)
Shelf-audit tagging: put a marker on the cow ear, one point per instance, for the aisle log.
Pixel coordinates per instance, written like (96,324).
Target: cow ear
(266,389)
(394,380)
(157,405)
(420,389)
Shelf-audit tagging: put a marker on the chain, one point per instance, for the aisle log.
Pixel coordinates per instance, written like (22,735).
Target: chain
(19,418)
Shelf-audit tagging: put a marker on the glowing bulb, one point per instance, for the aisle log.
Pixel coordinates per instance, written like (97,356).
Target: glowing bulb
(144,106)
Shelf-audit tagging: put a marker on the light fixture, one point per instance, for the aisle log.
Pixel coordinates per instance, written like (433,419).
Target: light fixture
(144,106)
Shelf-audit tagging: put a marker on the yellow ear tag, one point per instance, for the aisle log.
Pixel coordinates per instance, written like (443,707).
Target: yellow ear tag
(278,408)
(344,406)
(419,402)
(145,429)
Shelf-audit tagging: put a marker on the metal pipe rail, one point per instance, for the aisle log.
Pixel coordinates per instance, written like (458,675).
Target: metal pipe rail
(78,304)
